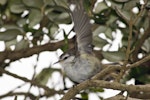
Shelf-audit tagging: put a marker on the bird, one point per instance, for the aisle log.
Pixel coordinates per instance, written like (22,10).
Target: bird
(80,63)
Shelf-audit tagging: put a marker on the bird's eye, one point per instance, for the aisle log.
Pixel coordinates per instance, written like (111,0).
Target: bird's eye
(65,58)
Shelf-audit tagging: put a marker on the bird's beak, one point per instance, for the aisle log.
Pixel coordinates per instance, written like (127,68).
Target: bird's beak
(58,61)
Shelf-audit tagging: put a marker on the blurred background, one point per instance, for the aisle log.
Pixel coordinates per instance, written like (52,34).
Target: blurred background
(34,33)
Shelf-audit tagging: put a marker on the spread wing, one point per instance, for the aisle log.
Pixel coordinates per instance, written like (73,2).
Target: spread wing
(82,27)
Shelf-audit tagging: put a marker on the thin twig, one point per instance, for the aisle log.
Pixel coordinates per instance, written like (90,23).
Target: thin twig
(140,13)
(129,39)
(35,66)
(33,97)
(145,59)
(121,15)
(52,91)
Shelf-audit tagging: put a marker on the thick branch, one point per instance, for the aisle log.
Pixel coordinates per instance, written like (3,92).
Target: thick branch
(106,71)
(117,97)
(143,95)
(15,55)
(112,68)
(104,84)
(121,97)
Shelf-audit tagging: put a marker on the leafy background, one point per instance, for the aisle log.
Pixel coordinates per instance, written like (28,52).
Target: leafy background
(24,24)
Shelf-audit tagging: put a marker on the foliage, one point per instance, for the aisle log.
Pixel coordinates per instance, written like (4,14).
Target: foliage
(39,18)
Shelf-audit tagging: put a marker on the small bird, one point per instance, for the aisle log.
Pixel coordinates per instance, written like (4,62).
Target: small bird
(80,63)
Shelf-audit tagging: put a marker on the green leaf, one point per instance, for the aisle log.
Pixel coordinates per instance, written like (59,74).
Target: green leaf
(100,7)
(3,2)
(44,75)
(100,29)
(49,2)
(146,45)
(63,18)
(142,22)
(103,29)
(66,46)
(84,96)
(9,34)
(124,13)
(12,27)
(53,29)
(99,42)
(35,17)
(121,1)
(22,22)
(145,23)
(34,3)
(10,43)
(23,44)
(112,20)
(108,33)
(140,74)
(87,5)
(115,4)
(114,56)
(17,8)
(62,3)
(130,4)
(144,78)
(59,15)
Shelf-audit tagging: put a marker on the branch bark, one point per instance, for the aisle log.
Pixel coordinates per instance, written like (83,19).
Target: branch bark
(110,85)
(32,97)
(121,97)
(104,84)
(15,55)
(52,91)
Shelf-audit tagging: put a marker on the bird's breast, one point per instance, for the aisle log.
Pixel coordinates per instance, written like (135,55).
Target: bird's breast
(83,67)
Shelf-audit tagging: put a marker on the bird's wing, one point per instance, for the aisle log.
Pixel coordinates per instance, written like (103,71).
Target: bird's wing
(82,27)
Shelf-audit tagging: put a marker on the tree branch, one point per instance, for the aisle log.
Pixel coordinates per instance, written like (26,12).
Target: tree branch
(106,71)
(145,59)
(121,97)
(140,95)
(140,42)
(52,91)
(15,55)
(104,84)
(32,97)
(110,85)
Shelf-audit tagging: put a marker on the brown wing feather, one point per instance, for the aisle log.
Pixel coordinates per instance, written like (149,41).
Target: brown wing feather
(82,27)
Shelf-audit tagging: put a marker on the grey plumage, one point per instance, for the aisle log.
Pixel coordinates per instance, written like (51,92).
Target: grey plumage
(80,64)
(82,27)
